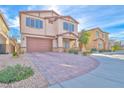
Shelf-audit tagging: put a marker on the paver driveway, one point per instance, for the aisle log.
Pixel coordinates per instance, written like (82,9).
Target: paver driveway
(57,67)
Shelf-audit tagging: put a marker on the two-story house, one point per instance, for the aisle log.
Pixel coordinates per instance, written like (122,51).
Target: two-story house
(4,39)
(98,39)
(44,31)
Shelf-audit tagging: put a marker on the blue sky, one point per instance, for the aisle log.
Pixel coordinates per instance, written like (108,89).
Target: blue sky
(108,18)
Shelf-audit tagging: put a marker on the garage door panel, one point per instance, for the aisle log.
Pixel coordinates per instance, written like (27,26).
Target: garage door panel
(38,45)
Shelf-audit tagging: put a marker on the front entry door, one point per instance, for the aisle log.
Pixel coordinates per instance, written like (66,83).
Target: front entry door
(66,43)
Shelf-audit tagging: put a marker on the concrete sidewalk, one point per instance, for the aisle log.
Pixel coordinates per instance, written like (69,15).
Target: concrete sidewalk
(116,56)
(108,75)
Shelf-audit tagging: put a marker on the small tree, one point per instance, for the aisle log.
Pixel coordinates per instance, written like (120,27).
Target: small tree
(83,39)
(116,47)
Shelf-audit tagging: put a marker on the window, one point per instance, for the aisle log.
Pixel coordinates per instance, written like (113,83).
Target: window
(97,34)
(65,26)
(28,21)
(68,27)
(71,27)
(34,23)
(39,24)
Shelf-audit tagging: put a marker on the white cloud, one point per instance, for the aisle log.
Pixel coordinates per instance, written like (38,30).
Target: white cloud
(117,35)
(4,12)
(14,23)
(55,8)
(82,23)
(113,23)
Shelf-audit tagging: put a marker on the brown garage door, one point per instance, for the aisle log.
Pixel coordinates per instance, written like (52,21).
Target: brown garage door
(38,44)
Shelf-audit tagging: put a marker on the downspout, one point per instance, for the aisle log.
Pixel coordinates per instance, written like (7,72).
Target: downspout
(45,26)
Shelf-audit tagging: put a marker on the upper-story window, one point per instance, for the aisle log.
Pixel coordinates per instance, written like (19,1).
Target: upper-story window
(103,35)
(68,26)
(97,34)
(71,27)
(34,23)
(28,21)
(65,26)
(39,24)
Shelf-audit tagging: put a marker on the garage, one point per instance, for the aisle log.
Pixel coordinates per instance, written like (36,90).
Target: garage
(38,44)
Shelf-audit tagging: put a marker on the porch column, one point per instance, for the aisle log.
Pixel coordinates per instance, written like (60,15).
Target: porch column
(60,44)
(54,45)
(77,43)
(23,44)
(60,41)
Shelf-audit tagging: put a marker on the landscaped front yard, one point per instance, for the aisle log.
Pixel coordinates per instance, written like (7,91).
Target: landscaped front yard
(25,74)
(45,69)
(63,70)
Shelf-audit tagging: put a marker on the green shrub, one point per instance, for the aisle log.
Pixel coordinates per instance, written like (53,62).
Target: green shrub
(104,51)
(15,54)
(16,73)
(86,53)
(93,50)
(73,51)
(116,47)
(101,51)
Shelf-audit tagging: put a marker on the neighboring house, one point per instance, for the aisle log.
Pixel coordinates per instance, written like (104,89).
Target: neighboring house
(44,31)
(14,46)
(111,43)
(98,39)
(114,42)
(4,39)
(5,42)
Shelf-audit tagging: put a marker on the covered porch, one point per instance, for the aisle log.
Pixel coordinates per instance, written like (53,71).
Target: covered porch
(99,44)
(65,41)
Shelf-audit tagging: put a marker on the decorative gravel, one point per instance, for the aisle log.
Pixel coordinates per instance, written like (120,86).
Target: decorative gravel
(36,81)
